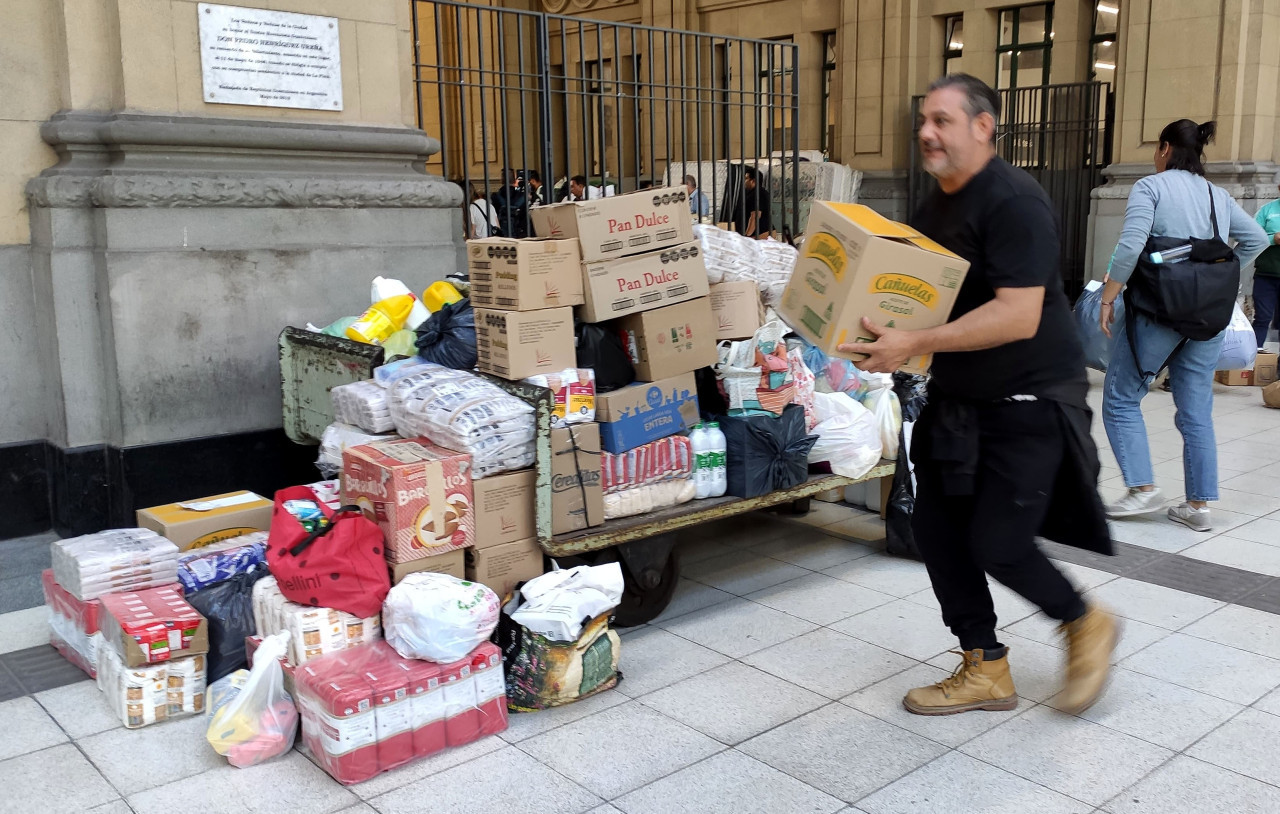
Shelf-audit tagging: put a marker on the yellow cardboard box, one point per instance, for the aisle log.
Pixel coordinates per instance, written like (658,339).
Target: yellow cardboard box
(209,520)
(857,263)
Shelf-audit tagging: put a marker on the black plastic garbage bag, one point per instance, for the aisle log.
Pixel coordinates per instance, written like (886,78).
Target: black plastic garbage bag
(899,539)
(228,606)
(448,337)
(765,453)
(601,350)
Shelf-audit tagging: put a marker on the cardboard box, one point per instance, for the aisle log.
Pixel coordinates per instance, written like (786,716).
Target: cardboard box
(856,263)
(738,310)
(519,344)
(209,520)
(451,563)
(504,508)
(640,413)
(151,626)
(616,288)
(619,225)
(419,494)
(524,275)
(666,342)
(577,486)
(1264,369)
(502,567)
(1234,378)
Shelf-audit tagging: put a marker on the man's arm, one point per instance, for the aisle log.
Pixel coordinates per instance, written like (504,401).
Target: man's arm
(1012,316)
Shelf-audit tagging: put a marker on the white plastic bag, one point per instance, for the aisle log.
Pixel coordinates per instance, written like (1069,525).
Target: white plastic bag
(385,288)
(883,403)
(251,718)
(557,603)
(437,617)
(1239,343)
(848,435)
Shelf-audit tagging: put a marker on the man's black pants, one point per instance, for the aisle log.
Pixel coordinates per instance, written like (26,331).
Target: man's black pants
(992,531)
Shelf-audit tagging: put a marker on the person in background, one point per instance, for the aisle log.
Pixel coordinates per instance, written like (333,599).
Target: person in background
(481,217)
(578,188)
(1002,450)
(1266,275)
(535,188)
(513,207)
(757,206)
(1174,202)
(699,207)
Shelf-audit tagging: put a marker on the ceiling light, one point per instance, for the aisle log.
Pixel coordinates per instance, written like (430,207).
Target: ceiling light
(1108,9)
(1106,66)
(955,45)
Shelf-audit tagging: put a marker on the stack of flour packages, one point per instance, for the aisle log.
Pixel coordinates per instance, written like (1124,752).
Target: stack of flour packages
(116,610)
(731,258)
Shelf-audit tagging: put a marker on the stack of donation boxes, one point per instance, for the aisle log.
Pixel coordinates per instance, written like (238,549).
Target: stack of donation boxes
(117,611)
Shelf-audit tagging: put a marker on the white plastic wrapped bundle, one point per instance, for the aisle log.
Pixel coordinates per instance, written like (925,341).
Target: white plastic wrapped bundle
(313,632)
(363,404)
(336,438)
(461,411)
(438,617)
(727,254)
(116,560)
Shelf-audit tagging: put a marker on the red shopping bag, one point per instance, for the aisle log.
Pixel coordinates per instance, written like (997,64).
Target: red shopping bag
(340,565)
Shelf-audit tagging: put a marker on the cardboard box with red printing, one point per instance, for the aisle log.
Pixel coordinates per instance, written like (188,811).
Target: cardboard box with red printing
(616,288)
(619,225)
(419,494)
(154,625)
(524,275)
(668,341)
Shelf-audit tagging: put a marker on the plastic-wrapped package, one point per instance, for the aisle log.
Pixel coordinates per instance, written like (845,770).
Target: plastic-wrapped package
(156,692)
(438,617)
(649,498)
(251,717)
(805,381)
(73,624)
(336,438)
(363,404)
(848,435)
(370,710)
(556,604)
(116,560)
(201,567)
(461,411)
(666,459)
(313,632)
(574,395)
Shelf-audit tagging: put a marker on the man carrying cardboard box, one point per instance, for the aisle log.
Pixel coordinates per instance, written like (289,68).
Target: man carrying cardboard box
(1002,452)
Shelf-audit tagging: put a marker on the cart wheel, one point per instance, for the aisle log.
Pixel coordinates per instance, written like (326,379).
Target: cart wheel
(801,506)
(644,596)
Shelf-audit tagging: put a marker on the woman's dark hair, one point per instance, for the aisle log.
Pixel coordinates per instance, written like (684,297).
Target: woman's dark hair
(1186,141)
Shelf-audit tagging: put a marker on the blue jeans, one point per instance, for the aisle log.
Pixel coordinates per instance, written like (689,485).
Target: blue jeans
(1190,376)
(1266,297)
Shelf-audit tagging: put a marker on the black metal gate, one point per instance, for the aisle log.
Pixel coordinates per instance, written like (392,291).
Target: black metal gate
(1061,134)
(528,95)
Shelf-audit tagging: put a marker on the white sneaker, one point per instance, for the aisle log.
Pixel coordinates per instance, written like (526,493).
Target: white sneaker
(1136,502)
(1191,517)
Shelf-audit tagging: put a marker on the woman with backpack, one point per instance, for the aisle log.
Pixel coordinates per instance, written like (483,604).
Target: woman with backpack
(482,217)
(1180,281)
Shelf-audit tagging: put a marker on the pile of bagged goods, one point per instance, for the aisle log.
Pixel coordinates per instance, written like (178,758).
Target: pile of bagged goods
(401,606)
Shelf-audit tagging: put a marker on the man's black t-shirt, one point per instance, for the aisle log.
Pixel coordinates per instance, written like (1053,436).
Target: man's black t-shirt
(755,200)
(1003,224)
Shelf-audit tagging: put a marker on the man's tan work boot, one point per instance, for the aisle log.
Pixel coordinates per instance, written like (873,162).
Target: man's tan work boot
(1091,640)
(978,683)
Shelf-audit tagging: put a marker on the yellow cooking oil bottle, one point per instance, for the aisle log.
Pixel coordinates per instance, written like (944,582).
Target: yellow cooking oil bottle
(383,319)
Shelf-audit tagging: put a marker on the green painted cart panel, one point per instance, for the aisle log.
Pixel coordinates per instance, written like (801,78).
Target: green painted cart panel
(312,364)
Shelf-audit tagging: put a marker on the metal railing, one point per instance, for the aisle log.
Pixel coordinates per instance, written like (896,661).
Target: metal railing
(1061,134)
(531,95)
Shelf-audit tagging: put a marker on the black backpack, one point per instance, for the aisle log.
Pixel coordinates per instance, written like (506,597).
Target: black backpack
(1195,297)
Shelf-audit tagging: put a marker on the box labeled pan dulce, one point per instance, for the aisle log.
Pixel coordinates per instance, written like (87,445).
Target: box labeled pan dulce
(155,625)
(615,288)
(419,494)
(619,225)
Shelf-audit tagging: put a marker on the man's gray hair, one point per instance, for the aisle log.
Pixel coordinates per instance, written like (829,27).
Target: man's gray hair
(978,96)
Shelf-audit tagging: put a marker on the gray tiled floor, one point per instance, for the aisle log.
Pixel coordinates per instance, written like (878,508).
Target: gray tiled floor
(773,684)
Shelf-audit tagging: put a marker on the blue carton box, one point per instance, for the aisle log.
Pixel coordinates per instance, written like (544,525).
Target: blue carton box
(640,413)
